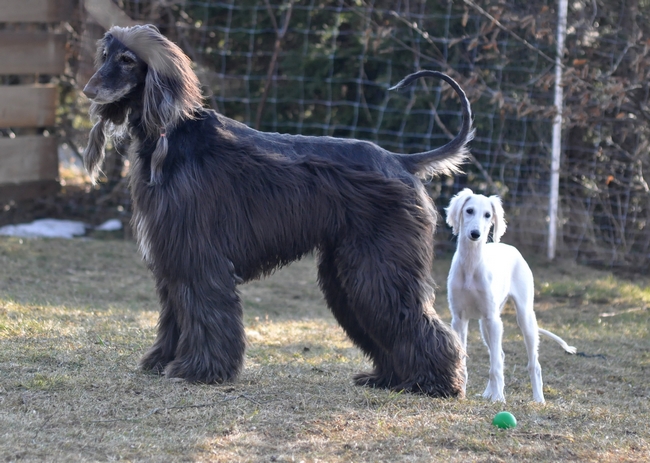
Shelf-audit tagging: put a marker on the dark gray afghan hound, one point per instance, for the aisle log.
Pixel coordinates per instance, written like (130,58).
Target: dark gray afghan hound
(217,203)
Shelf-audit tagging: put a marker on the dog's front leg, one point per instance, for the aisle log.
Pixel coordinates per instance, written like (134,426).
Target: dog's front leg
(164,349)
(492,331)
(212,341)
(460,327)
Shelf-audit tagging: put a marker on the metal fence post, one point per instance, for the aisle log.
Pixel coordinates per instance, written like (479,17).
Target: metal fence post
(557,132)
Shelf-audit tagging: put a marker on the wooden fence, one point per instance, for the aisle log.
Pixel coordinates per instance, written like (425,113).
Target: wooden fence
(28,153)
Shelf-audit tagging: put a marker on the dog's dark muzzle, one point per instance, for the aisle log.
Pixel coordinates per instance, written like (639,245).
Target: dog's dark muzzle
(90,92)
(91,88)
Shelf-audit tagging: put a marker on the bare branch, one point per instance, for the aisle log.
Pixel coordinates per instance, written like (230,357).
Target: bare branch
(496,22)
(276,52)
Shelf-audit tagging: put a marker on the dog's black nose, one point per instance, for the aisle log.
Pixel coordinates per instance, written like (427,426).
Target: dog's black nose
(474,234)
(90,92)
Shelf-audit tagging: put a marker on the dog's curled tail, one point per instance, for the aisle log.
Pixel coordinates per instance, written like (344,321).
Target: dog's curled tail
(559,340)
(447,158)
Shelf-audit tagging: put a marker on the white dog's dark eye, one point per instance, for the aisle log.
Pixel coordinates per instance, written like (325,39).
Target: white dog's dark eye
(470,211)
(487,215)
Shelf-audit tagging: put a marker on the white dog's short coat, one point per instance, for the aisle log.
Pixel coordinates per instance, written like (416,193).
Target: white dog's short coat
(482,277)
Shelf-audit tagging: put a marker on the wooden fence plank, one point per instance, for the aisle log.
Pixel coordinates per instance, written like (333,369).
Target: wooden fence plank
(28,190)
(28,158)
(27,105)
(108,14)
(35,52)
(35,10)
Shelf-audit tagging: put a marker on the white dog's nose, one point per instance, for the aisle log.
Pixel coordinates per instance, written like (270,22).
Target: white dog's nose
(475,235)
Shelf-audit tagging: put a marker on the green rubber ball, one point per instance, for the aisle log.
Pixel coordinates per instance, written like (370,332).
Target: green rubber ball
(504,420)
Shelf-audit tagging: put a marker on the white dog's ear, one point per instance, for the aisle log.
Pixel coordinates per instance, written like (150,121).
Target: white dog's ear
(499,219)
(454,216)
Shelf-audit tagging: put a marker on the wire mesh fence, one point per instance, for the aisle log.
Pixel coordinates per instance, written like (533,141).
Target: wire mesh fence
(324,68)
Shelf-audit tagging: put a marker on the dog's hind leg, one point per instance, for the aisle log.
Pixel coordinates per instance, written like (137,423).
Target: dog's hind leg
(383,375)
(212,341)
(528,324)
(391,296)
(428,355)
(164,349)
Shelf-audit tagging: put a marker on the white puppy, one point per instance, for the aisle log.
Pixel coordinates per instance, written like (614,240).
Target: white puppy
(482,277)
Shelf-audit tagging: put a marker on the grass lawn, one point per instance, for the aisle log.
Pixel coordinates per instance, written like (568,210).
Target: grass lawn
(75,317)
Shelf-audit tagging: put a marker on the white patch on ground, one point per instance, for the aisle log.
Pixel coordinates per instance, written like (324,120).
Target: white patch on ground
(46,228)
(55,228)
(110,225)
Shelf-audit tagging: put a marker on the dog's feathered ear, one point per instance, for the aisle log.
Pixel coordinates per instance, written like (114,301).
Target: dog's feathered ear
(94,153)
(499,219)
(455,209)
(160,114)
(172,91)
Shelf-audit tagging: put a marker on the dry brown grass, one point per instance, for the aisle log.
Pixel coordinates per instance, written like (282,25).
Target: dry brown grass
(75,316)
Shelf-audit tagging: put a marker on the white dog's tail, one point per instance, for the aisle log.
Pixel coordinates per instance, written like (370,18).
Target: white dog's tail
(447,158)
(559,340)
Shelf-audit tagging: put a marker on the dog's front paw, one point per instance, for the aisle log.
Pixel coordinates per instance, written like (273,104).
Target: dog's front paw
(155,360)
(374,379)
(494,395)
(186,370)
(539,399)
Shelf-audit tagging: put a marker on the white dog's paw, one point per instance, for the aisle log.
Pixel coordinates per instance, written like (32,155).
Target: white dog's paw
(539,399)
(494,395)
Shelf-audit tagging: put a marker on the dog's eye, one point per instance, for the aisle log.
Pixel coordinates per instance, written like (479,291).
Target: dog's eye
(470,211)
(126,59)
(104,54)
(487,215)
